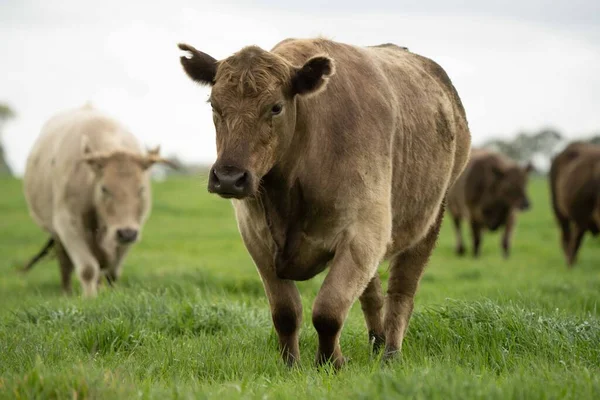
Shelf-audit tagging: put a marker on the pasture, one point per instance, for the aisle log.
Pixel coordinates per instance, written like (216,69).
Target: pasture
(189,318)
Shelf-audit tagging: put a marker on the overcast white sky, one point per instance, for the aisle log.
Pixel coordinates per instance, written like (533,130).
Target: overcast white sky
(517,64)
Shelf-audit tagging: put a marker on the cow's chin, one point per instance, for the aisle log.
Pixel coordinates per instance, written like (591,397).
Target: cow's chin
(231,196)
(111,248)
(249,193)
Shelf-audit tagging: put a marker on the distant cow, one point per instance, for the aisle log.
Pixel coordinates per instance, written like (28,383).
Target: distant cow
(575,192)
(340,156)
(488,194)
(87,184)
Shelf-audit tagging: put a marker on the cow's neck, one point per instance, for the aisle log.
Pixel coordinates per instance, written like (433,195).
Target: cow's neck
(284,206)
(283,193)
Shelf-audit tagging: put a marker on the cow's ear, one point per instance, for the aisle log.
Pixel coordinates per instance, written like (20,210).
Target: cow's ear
(153,157)
(312,77)
(200,67)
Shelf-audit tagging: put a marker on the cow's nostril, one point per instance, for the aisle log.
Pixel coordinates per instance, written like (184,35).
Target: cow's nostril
(215,179)
(241,181)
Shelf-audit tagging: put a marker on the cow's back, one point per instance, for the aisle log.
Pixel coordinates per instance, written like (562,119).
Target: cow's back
(54,172)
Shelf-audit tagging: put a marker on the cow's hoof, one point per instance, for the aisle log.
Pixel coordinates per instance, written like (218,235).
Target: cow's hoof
(377,341)
(390,355)
(460,251)
(291,363)
(336,364)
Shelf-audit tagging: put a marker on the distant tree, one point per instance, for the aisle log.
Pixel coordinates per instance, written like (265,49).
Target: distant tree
(595,139)
(526,147)
(6,113)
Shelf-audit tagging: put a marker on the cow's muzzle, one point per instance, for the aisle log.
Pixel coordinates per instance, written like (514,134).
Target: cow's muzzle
(229,182)
(525,205)
(127,235)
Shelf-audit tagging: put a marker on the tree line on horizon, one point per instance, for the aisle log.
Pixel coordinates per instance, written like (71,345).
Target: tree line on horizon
(538,147)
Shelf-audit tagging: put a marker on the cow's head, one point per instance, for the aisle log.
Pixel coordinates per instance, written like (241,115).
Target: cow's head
(121,195)
(511,185)
(253,100)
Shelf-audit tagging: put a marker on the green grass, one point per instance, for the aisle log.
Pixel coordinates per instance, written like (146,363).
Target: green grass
(190,320)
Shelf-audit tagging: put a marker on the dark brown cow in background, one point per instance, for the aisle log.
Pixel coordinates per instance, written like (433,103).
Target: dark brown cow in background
(488,194)
(575,192)
(336,156)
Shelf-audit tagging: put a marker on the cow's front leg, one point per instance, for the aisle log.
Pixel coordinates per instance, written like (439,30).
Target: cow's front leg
(284,298)
(508,232)
(71,235)
(353,267)
(116,269)
(286,311)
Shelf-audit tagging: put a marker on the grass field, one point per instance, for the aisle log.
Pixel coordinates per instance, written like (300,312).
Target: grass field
(190,320)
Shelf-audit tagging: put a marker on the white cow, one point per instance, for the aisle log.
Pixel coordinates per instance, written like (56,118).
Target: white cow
(87,184)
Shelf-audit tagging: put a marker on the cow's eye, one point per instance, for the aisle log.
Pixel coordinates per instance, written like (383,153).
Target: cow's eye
(105,190)
(215,109)
(276,109)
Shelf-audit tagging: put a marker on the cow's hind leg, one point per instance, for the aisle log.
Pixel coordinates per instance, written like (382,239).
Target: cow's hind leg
(460,246)
(66,267)
(476,235)
(405,272)
(577,233)
(371,302)
(565,234)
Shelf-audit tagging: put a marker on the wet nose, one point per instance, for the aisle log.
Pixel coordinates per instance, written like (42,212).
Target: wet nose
(127,235)
(229,182)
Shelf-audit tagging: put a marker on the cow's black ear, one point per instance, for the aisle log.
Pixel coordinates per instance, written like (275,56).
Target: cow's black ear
(200,67)
(312,77)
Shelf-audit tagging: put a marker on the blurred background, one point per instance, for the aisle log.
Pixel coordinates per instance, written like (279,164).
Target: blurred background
(526,70)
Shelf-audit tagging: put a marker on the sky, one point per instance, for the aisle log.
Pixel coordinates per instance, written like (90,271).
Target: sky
(517,65)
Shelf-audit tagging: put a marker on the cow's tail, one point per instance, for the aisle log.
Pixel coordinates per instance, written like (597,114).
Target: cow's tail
(41,254)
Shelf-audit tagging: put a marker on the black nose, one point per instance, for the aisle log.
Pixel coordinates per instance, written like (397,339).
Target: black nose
(525,205)
(127,235)
(229,182)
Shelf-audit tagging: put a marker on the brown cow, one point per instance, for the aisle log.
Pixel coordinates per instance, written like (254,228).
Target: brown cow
(575,192)
(488,194)
(339,156)
(87,184)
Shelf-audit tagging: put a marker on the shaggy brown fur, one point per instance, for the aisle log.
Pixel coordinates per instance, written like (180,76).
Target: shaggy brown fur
(575,192)
(488,194)
(336,156)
